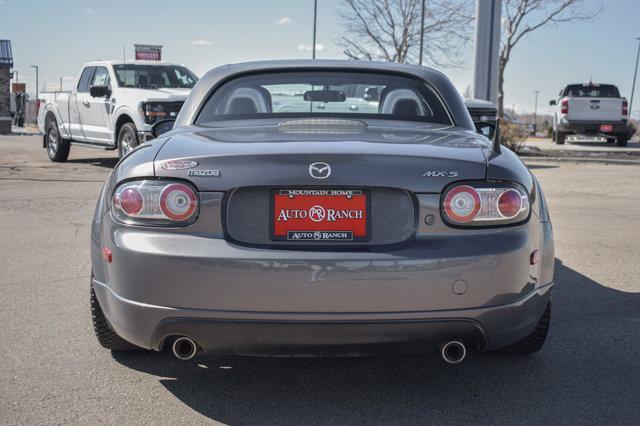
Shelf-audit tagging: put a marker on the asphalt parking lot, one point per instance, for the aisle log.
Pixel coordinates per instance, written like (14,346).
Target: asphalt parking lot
(54,371)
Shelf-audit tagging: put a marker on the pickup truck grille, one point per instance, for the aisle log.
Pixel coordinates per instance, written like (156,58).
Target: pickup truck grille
(173,108)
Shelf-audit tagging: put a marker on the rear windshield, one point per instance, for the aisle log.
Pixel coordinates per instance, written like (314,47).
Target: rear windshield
(591,91)
(154,76)
(322,94)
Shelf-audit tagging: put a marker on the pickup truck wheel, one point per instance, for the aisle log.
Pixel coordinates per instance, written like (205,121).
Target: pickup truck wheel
(127,139)
(57,148)
(107,338)
(559,138)
(622,140)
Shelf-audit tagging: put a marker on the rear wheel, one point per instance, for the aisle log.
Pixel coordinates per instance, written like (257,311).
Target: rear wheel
(559,137)
(622,140)
(57,148)
(106,336)
(535,341)
(127,139)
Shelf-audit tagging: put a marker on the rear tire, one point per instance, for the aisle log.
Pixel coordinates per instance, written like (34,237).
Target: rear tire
(127,139)
(560,137)
(108,338)
(622,140)
(534,341)
(57,148)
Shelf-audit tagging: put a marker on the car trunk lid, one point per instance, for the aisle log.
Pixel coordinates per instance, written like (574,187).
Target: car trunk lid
(423,159)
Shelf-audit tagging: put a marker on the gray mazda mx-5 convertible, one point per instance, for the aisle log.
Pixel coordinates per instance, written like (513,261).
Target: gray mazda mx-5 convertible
(322,208)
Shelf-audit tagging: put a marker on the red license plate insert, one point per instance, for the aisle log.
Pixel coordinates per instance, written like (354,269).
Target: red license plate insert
(315,215)
(606,127)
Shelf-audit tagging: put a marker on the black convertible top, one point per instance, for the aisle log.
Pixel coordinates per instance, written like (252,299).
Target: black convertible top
(212,79)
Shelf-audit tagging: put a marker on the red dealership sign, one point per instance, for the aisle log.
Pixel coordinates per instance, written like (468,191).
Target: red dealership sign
(148,52)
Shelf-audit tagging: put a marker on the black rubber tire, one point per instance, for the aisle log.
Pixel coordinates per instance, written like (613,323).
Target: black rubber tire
(57,148)
(622,140)
(559,138)
(108,338)
(127,139)
(534,341)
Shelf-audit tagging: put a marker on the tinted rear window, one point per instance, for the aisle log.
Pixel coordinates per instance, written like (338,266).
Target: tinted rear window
(322,94)
(591,91)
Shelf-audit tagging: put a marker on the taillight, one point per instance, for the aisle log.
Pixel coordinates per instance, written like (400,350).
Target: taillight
(564,106)
(178,202)
(462,203)
(130,201)
(155,202)
(625,108)
(485,204)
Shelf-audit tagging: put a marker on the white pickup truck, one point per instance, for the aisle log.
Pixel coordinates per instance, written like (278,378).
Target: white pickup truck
(592,110)
(113,105)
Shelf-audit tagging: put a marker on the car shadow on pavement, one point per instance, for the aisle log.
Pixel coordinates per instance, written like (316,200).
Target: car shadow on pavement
(588,371)
(108,163)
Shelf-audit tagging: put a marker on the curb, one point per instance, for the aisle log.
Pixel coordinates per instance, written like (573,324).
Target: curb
(526,159)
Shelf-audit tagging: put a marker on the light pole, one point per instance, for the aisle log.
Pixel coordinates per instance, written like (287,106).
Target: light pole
(61,84)
(16,73)
(421,33)
(635,74)
(36,67)
(315,20)
(535,113)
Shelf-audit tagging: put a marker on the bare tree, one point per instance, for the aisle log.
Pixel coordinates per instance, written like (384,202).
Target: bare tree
(389,30)
(522,17)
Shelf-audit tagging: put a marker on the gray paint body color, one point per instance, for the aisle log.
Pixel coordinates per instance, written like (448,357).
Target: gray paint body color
(223,283)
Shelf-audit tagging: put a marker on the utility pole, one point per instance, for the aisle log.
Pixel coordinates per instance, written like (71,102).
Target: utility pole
(315,21)
(485,67)
(123,55)
(635,74)
(16,73)
(421,33)
(36,68)
(535,113)
(61,84)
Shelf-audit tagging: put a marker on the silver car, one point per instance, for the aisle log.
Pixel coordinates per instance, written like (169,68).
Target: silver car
(361,214)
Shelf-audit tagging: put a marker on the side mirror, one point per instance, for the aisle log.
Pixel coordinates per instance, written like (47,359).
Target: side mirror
(99,91)
(486,128)
(553,102)
(161,127)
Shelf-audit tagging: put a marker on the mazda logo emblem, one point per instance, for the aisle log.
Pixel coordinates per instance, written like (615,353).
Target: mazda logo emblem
(320,170)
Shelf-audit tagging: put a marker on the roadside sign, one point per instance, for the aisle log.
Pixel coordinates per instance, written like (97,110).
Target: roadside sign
(148,52)
(18,87)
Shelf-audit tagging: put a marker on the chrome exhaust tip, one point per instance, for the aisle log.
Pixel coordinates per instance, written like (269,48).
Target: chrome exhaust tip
(184,348)
(453,352)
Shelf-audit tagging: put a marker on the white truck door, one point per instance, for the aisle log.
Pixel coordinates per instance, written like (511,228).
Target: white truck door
(76,104)
(94,112)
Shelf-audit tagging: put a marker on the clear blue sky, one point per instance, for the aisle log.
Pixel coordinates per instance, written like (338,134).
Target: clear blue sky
(60,35)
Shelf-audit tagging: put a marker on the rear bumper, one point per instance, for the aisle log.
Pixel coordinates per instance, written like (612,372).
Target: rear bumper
(593,127)
(475,285)
(301,334)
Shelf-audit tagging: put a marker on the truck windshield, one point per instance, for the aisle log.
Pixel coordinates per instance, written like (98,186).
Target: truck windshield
(347,94)
(591,91)
(154,76)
